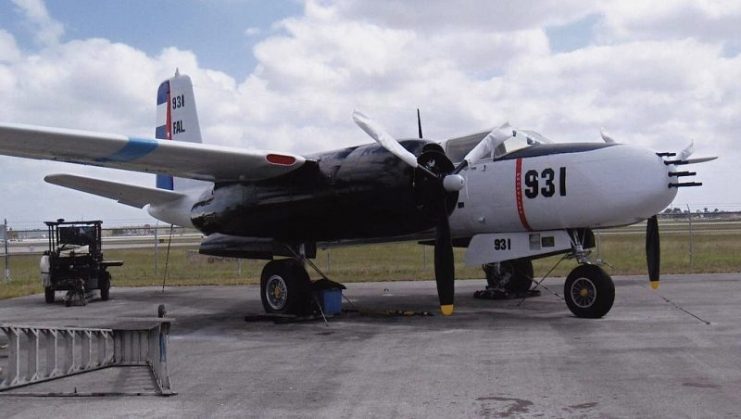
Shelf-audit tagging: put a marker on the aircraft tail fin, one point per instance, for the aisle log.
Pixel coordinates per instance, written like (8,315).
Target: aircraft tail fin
(177,120)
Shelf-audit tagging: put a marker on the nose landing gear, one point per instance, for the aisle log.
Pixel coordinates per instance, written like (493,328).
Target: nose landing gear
(589,292)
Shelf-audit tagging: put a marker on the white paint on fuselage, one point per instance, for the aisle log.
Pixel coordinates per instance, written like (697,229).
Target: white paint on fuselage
(606,187)
(176,212)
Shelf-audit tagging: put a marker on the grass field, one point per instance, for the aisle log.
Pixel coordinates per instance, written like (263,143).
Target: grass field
(713,251)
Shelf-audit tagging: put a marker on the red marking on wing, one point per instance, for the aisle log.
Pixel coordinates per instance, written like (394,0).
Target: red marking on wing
(518,195)
(280,160)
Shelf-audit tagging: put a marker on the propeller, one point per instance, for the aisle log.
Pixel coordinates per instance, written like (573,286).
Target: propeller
(653,251)
(436,186)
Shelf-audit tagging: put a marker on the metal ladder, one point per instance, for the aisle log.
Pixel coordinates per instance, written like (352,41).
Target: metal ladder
(38,354)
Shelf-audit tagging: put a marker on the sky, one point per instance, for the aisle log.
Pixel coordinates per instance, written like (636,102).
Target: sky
(286,75)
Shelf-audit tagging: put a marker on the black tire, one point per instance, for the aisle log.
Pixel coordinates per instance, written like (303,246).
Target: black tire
(522,279)
(589,292)
(518,274)
(284,287)
(49,295)
(105,285)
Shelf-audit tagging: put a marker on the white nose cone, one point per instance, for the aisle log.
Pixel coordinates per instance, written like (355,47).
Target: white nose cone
(453,183)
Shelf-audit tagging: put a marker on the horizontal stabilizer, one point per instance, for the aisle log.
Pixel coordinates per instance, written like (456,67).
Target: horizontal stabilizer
(135,196)
(188,160)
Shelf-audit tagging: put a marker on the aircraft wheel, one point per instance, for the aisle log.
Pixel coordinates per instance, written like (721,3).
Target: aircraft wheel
(49,295)
(589,292)
(105,286)
(514,276)
(284,287)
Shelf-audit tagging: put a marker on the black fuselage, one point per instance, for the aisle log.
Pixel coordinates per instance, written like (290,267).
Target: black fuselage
(356,192)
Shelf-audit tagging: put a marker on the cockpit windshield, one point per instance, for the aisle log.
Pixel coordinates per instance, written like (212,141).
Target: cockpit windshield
(492,145)
(517,141)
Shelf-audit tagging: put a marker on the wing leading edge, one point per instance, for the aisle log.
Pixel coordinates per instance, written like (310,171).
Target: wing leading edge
(189,160)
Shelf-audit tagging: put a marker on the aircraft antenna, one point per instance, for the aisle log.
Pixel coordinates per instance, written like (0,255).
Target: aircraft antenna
(419,124)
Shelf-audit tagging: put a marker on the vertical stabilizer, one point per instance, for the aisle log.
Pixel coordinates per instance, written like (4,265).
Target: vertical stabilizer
(177,120)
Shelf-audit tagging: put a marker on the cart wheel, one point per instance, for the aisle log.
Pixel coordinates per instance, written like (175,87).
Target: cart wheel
(105,286)
(49,295)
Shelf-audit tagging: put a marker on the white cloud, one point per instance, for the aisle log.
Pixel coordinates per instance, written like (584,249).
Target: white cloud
(252,31)
(715,21)
(443,16)
(48,31)
(8,48)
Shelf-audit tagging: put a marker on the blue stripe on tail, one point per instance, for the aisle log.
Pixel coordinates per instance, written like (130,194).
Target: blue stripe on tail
(161,132)
(162,92)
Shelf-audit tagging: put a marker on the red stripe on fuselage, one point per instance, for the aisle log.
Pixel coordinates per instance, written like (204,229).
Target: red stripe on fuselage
(168,130)
(518,195)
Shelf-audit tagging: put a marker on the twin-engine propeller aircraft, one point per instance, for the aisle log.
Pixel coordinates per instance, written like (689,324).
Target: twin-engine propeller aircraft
(508,195)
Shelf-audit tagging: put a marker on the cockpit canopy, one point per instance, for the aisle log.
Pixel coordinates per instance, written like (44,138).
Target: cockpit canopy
(500,142)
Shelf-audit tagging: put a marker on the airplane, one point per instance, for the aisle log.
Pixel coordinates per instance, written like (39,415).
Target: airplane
(508,195)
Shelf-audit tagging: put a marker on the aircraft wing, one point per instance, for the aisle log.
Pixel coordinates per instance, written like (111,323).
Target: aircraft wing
(183,159)
(135,196)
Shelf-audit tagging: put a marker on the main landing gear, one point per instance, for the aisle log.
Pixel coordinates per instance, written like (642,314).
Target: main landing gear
(285,287)
(510,279)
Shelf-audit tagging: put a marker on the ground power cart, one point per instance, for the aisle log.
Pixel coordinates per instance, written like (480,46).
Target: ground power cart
(74,262)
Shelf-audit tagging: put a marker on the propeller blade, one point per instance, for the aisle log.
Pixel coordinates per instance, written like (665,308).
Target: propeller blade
(606,137)
(444,262)
(384,138)
(487,145)
(388,142)
(701,159)
(688,151)
(653,251)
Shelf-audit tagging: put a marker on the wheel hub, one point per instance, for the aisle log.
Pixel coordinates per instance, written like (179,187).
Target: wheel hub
(276,292)
(583,292)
